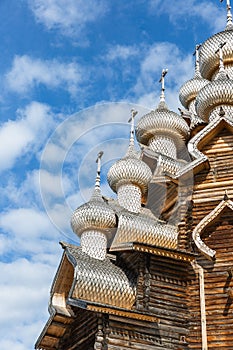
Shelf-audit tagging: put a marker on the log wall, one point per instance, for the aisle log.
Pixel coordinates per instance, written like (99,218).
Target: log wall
(162,292)
(81,333)
(210,185)
(209,189)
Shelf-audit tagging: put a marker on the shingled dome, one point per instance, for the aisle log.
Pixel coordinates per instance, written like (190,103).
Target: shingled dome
(95,214)
(190,89)
(161,120)
(130,169)
(209,59)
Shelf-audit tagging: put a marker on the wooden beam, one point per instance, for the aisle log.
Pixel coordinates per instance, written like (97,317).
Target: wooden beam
(202,304)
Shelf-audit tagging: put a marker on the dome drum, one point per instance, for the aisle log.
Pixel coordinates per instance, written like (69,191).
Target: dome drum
(164,145)
(129,197)
(94,243)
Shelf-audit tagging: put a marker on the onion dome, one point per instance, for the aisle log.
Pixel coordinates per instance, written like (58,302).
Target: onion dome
(162,121)
(217,93)
(130,169)
(95,214)
(209,60)
(159,121)
(190,89)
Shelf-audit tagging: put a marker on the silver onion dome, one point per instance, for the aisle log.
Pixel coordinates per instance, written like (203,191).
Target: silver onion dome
(209,59)
(190,89)
(130,169)
(217,93)
(161,121)
(95,214)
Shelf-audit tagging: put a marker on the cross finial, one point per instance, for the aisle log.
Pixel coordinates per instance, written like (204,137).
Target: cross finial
(221,64)
(162,81)
(131,120)
(196,53)
(229,14)
(98,161)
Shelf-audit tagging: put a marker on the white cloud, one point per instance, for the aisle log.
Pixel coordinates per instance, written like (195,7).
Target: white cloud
(29,246)
(29,129)
(69,16)
(24,293)
(54,185)
(26,223)
(183,10)
(122,52)
(27,231)
(28,72)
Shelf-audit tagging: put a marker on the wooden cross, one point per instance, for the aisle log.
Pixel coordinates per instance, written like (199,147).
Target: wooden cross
(162,81)
(131,119)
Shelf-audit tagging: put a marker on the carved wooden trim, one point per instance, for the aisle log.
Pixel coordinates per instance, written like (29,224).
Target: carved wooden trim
(201,138)
(122,313)
(206,221)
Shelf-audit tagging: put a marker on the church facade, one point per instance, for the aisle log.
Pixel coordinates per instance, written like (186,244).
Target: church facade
(155,266)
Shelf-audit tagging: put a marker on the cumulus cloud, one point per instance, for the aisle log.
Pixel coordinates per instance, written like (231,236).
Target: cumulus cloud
(183,10)
(68,16)
(30,253)
(22,228)
(30,129)
(24,291)
(27,72)
(122,52)
(25,223)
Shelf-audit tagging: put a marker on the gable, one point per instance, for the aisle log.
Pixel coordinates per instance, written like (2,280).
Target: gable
(215,217)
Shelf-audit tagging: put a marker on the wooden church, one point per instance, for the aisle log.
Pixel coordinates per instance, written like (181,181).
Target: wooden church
(155,266)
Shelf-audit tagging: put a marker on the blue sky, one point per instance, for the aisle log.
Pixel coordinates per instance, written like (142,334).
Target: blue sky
(71,70)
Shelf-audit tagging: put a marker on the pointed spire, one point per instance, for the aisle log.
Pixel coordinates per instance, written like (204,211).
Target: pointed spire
(229,15)
(197,65)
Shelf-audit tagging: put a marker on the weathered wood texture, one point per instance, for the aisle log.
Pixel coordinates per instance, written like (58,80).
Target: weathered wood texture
(162,291)
(218,283)
(127,334)
(81,333)
(209,189)
(168,301)
(210,185)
